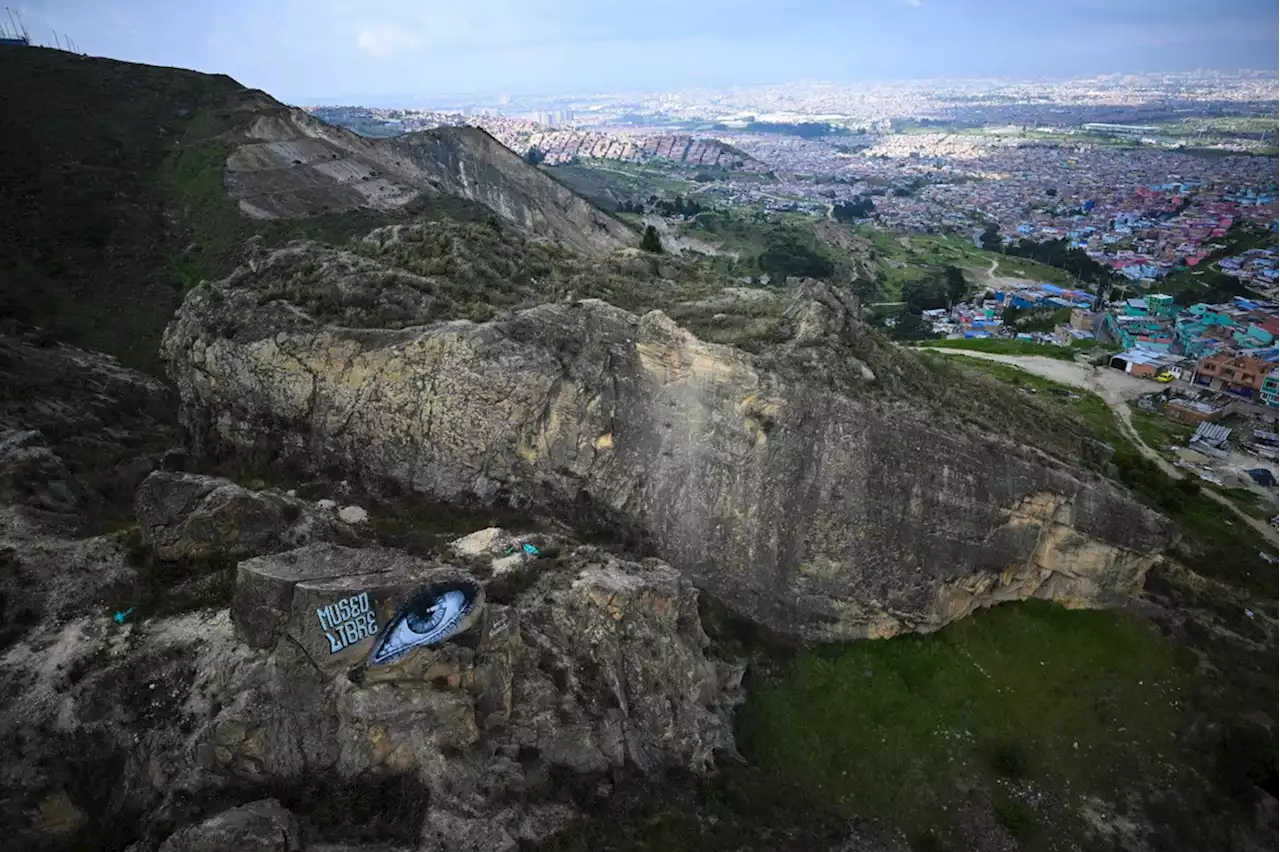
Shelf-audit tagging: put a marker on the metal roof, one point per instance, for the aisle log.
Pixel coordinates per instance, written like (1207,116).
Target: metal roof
(1211,434)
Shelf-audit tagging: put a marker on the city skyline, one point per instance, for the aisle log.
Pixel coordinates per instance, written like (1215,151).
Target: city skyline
(336,50)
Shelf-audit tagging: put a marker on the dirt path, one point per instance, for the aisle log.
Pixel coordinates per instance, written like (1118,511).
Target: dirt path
(1115,389)
(990,279)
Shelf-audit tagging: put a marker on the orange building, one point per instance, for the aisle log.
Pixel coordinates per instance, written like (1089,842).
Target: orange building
(1237,374)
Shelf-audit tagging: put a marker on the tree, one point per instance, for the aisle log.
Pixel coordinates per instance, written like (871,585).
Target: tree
(991,238)
(858,208)
(957,286)
(1051,192)
(925,295)
(651,242)
(787,256)
(534,156)
(912,326)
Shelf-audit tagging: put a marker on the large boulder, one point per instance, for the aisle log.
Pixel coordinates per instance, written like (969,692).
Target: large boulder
(263,826)
(189,516)
(32,474)
(597,663)
(812,487)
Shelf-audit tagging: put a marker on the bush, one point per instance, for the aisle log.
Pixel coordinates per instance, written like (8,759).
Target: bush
(651,242)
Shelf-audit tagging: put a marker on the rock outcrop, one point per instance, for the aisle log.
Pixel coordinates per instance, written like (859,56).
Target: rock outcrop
(94,414)
(798,486)
(595,665)
(188,516)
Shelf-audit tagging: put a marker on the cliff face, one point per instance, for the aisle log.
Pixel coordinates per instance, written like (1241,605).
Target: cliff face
(290,164)
(794,485)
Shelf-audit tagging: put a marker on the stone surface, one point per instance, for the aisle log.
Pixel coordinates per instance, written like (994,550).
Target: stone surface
(189,516)
(803,485)
(353,515)
(32,474)
(598,663)
(93,413)
(263,826)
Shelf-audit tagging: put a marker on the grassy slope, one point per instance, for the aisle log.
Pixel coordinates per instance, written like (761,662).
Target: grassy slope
(114,203)
(608,184)
(918,257)
(1011,347)
(1023,716)
(86,242)
(1040,705)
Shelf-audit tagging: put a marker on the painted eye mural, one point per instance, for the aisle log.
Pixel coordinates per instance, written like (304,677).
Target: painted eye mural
(432,614)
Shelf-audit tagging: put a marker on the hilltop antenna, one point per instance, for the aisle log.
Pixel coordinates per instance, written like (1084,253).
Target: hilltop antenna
(55,39)
(25,34)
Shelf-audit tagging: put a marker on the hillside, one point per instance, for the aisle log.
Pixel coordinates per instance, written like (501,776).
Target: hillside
(126,184)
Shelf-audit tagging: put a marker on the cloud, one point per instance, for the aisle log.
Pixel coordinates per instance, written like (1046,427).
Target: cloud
(382,41)
(914,4)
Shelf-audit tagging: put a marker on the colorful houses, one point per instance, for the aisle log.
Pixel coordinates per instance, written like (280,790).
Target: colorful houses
(1241,375)
(1270,392)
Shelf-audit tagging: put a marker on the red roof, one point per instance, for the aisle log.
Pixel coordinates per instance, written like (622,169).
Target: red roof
(1272,326)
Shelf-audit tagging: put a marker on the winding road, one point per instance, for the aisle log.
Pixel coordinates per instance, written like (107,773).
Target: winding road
(1115,389)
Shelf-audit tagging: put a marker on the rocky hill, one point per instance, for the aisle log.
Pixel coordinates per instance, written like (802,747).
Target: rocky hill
(126,183)
(291,165)
(457,528)
(780,481)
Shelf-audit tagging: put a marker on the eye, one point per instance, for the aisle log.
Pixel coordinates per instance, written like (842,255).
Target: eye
(427,617)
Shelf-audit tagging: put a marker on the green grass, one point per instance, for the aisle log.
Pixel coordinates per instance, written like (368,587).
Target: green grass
(901,259)
(1030,694)
(1057,399)
(1250,501)
(1001,346)
(608,183)
(1159,433)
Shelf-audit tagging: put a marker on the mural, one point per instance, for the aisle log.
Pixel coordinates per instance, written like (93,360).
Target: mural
(432,614)
(347,621)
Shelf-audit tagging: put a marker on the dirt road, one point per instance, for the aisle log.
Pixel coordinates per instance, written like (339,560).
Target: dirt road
(990,279)
(1115,389)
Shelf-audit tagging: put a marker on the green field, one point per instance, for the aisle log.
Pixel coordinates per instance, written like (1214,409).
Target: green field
(1034,703)
(1018,716)
(918,257)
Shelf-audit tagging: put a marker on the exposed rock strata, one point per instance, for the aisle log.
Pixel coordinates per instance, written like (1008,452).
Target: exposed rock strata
(294,165)
(794,485)
(188,516)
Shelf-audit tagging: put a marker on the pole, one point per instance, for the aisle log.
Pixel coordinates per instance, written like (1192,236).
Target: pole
(55,40)
(25,34)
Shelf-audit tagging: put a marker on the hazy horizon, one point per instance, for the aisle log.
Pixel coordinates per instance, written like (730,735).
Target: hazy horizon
(346,51)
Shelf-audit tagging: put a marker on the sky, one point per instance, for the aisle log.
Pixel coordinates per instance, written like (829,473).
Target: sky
(356,51)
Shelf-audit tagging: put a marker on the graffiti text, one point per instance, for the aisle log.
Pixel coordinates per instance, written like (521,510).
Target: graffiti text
(347,621)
